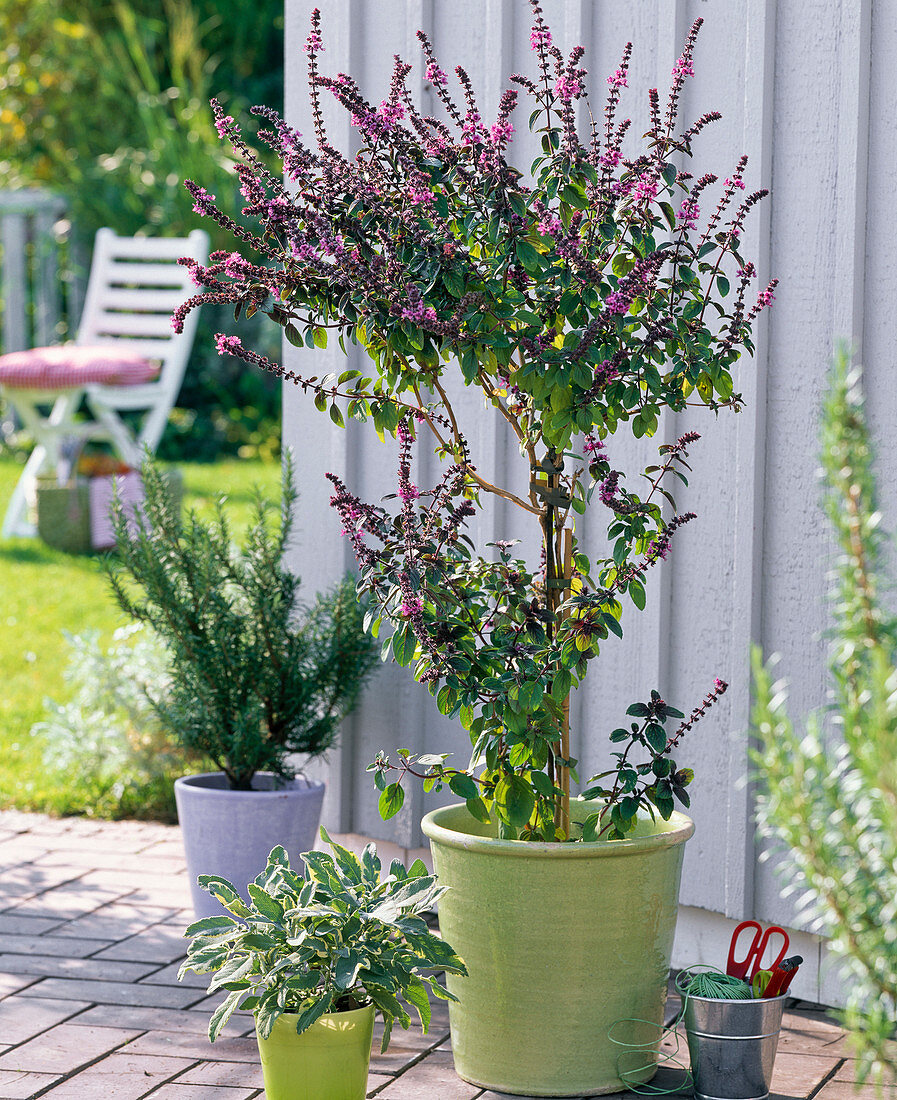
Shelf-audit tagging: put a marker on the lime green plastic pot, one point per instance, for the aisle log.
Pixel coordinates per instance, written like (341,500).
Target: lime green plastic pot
(560,941)
(329,1061)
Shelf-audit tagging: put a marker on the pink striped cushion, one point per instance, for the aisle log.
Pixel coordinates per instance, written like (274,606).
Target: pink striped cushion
(71,366)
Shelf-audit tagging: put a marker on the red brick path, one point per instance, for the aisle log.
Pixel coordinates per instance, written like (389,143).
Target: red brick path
(91,932)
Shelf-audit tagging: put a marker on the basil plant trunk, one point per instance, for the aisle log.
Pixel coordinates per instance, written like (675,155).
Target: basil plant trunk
(561,942)
(230,833)
(329,1061)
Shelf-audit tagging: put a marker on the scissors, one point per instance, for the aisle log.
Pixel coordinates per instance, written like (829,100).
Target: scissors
(747,967)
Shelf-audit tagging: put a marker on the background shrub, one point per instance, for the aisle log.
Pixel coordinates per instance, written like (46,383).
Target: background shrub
(827,793)
(108,733)
(107,105)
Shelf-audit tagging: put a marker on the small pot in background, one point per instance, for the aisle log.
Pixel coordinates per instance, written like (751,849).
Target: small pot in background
(230,833)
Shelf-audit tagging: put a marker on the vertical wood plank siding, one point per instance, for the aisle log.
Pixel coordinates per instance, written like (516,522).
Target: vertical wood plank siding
(32,270)
(803,87)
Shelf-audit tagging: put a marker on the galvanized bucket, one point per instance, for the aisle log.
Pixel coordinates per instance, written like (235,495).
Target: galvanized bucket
(732,1046)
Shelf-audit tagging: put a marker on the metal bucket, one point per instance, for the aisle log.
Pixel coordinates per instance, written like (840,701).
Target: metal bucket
(732,1046)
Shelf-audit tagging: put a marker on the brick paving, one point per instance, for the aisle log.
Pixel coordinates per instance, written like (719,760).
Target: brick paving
(91,923)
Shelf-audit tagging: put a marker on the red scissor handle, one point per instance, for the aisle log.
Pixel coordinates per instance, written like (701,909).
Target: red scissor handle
(747,967)
(773,930)
(734,967)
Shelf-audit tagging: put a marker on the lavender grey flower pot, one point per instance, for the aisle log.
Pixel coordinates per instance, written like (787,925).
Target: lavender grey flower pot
(230,833)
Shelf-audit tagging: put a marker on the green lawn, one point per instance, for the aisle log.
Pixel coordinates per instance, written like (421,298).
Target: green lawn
(44,592)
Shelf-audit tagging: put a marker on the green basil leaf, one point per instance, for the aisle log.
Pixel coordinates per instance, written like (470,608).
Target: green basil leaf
(404,645)
(656,736)
(561,684)
(463,786)
(514,801)
(391,801)
(477,808)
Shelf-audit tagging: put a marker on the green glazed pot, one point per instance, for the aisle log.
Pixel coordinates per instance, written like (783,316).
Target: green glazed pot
(329,1061)
(560,941)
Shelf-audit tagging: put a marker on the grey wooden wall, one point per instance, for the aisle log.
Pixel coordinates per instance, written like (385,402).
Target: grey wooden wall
(805,88)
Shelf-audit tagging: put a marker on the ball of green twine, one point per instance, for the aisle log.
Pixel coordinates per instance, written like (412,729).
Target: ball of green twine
(712,983)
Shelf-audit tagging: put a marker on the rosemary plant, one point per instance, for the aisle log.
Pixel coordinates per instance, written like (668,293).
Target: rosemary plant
(255,678)
(828,788)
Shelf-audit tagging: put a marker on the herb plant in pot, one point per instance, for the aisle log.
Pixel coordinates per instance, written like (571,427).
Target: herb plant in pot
(315,958)
(255,678)
(581,301)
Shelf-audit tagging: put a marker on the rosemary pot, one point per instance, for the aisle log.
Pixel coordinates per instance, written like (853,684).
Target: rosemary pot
(230,833)
(561,942)
(329,1061)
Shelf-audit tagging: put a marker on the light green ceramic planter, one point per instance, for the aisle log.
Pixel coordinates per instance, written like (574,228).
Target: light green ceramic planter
(560,941)
(328,1062)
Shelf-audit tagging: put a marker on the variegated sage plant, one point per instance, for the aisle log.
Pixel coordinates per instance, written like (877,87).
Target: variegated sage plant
(581,298)
(340,937)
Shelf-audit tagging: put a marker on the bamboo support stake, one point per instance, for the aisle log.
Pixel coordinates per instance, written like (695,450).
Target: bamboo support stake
(565,721)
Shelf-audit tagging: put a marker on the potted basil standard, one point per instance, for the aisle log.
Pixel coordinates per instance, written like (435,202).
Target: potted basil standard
(255,678)
(315,958)
(581,301)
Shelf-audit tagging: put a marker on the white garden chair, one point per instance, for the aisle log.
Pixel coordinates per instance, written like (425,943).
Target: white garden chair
(126,358)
